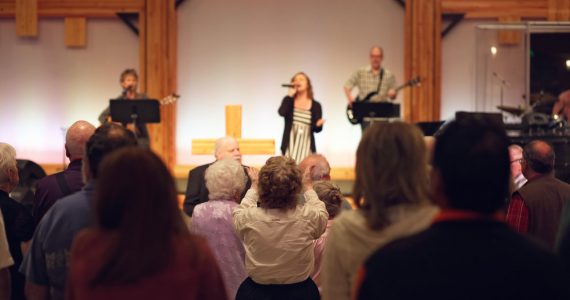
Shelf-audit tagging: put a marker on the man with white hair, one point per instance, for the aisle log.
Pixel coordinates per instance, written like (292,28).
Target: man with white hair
(56,186)
(318,166)
(18,221)
(516,157)
(196,190)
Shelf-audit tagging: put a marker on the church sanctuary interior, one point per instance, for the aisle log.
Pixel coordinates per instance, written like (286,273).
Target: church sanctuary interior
(201,81)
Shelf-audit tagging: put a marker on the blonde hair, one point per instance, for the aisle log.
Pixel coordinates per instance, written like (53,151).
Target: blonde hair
(7,161)
(391,169)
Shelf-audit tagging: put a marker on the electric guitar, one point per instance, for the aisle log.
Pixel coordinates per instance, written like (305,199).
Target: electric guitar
(349,114)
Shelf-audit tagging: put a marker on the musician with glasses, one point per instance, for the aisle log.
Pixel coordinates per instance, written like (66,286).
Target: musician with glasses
(374,83)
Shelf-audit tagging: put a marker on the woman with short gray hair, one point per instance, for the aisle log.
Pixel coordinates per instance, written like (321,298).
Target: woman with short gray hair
(225,180)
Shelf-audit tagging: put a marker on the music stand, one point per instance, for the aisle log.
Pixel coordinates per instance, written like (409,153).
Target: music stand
(135,111)
(376,110)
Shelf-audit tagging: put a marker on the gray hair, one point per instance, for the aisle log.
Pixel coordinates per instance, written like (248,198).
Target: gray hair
(7,161)
(76,137)
(320,168)
(225,180)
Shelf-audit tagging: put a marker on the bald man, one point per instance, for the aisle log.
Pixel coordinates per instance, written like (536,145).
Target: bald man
(196,191)
(54,187)
(536,207)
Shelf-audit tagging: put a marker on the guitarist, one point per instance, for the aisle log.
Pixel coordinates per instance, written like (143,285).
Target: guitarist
(129,81)
(371,79)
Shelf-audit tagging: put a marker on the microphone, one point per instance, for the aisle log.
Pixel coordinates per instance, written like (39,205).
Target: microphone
(288,85)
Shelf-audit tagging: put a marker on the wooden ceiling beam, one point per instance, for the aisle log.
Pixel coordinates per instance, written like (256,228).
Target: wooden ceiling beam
(497,9)
(99,9)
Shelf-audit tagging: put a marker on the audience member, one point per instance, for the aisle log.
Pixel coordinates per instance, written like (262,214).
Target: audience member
(536,207)
(56,186)
(18,221)
(392,194)
(318,166)
(469,252)
(330,194)
(516,157)
(563,237)
(45,265)
(140,247)
(196,190)
(278,232)
(225,180)
(6,262)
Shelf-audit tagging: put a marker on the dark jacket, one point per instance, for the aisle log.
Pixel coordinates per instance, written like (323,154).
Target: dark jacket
(545,197)
(464,260)
(19,226)
(286,111)
(196,191)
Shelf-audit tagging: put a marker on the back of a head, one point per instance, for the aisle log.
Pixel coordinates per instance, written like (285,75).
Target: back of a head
(225,180)
(391,169)
(331,195)
(136,197)
(280,181)
(7,161)
(539,157)
(319,166)
(106,138)
(76,137)
(472,158)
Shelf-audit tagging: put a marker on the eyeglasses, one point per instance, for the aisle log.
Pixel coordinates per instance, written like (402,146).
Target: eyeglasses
(520,160)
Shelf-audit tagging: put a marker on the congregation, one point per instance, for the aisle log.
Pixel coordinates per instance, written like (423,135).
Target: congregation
(463,215)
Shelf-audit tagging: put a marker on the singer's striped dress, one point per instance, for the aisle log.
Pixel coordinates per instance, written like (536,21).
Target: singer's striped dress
(300,136)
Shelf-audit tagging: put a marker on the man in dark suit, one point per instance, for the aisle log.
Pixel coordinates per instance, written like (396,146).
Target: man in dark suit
(469,252)
(196,191)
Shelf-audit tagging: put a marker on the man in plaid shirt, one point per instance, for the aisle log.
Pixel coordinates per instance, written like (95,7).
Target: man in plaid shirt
(367,80)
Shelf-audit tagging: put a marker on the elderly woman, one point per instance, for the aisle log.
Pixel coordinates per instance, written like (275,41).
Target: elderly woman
(278,233)
(391,192)
(225,180)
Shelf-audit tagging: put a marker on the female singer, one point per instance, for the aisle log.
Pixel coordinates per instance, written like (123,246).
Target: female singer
(303,116)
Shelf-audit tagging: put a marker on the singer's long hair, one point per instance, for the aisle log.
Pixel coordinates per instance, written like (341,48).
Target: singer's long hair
(309,85)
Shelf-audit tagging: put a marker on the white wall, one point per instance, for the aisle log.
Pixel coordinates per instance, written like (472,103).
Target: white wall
(239,52)
(459,65)
(46,86)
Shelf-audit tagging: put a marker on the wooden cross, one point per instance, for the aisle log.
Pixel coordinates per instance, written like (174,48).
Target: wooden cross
(233,129)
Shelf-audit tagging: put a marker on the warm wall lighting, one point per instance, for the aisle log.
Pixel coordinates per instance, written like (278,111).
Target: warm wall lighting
(568,64)
(494,50)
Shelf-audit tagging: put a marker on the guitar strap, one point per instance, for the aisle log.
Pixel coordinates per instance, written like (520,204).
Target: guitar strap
(381,79)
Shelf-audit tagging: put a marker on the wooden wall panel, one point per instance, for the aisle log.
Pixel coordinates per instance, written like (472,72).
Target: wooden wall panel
(27,18)
(160,72)
(423,58)
(493,9)
(75,32)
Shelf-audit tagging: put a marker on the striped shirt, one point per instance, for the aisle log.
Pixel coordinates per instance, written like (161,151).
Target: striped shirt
(300,136)
(366,82)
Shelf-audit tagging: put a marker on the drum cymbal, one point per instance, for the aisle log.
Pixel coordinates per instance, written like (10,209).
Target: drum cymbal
(513,110)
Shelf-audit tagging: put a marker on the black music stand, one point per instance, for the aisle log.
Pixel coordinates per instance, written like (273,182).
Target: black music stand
(376,110)
(135,111)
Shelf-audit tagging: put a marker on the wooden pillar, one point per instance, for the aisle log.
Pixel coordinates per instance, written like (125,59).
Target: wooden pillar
(558,10)
(422,46)
(159,70)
